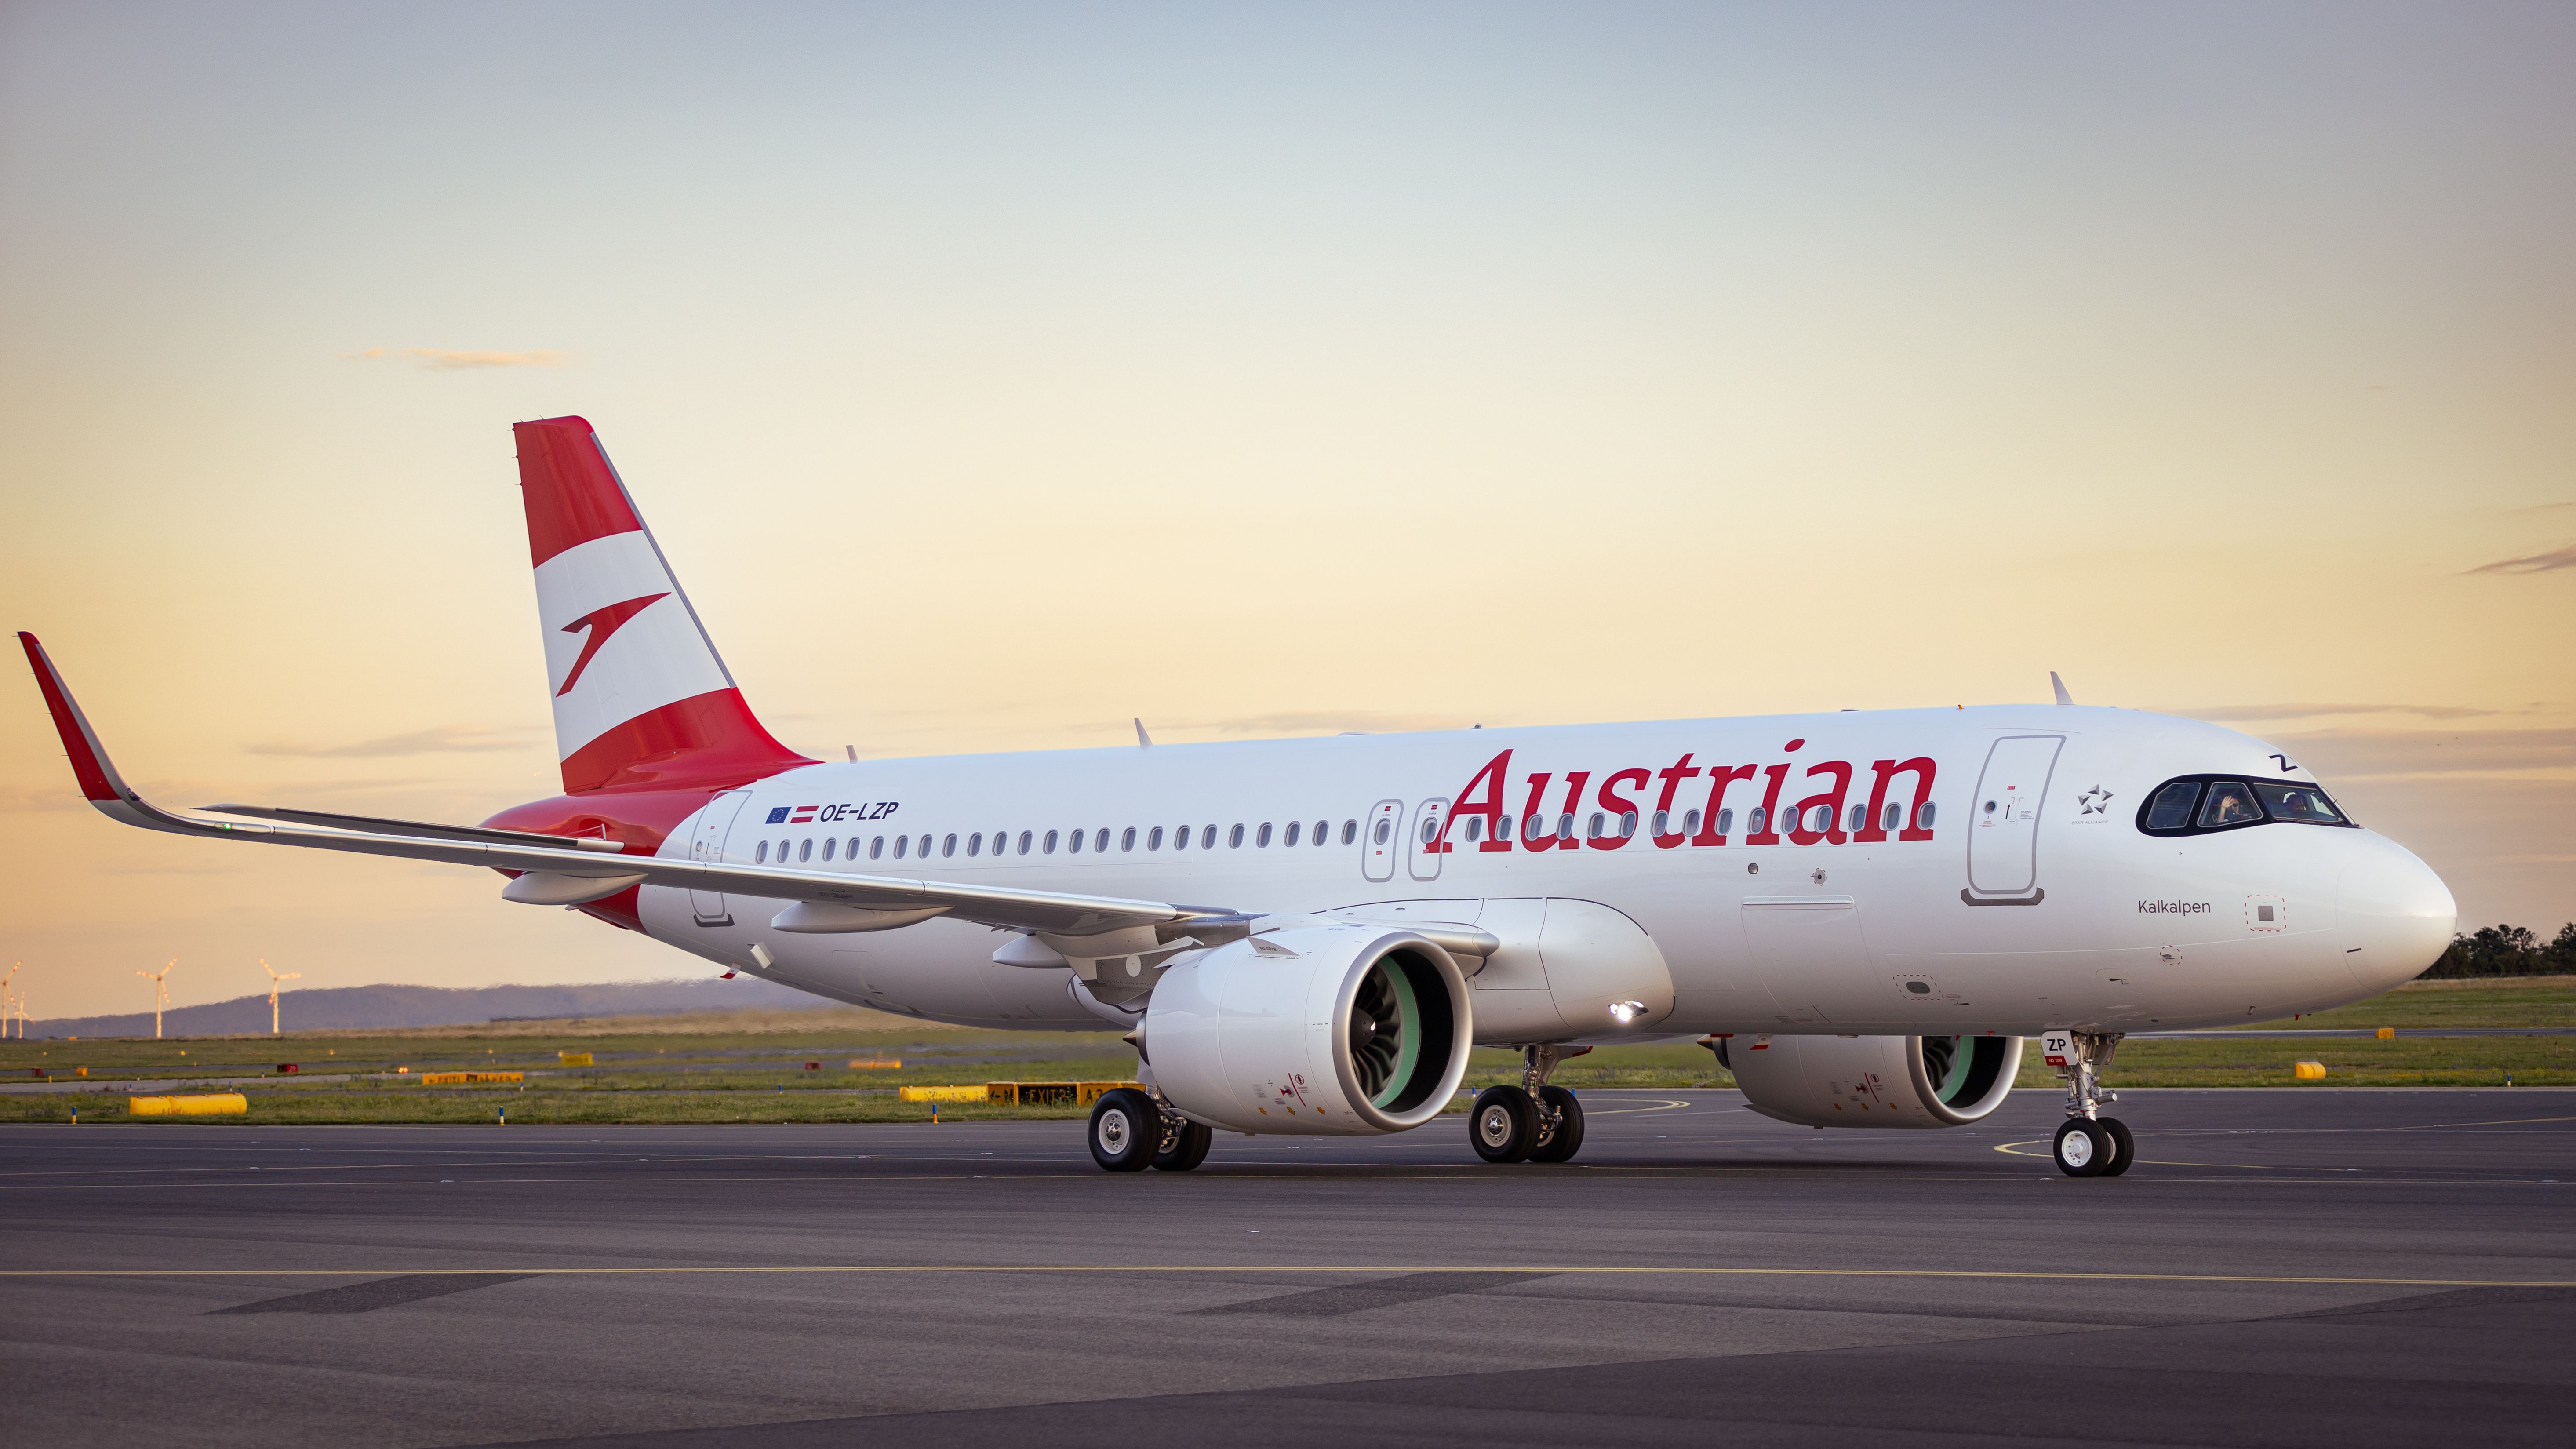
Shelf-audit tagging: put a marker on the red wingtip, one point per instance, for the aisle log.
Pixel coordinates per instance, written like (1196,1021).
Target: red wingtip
(89,767)
(571,494)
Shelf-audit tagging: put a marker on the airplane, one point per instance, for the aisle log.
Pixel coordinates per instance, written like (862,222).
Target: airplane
(1864,915)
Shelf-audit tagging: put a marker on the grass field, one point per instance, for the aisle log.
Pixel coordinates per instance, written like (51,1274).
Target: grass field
(752,1066)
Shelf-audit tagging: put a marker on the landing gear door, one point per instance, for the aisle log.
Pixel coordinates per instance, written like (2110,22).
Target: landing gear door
(1381,838)
(1428,817)
(714,824)
(2003,821)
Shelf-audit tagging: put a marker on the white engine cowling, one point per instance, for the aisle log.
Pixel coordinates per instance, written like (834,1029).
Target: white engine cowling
(1344,1030)
(1873,1081)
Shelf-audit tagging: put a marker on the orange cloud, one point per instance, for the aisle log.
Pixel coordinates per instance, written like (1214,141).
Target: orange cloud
(2538,563)
(448,360)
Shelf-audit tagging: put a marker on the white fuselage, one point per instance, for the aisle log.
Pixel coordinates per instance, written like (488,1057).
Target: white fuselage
(2049,908)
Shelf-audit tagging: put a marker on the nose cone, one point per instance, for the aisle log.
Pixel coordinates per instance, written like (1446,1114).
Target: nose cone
(2395,909)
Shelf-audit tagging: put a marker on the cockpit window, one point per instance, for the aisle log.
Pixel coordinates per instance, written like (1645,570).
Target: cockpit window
(2196,804)
(2230,803)
(2305,804)
(2172,807)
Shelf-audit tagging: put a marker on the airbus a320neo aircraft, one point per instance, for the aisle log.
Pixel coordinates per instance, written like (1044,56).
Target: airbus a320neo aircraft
(1863,914)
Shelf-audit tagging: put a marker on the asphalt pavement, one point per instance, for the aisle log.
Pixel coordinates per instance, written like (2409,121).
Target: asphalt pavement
(2334,1268)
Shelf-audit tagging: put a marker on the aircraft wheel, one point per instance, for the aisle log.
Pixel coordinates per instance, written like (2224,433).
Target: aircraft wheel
(2083,1148)
(1567,1139)
(2124,1148)
(1189,1148)
(1503,1124)
(1125,1128)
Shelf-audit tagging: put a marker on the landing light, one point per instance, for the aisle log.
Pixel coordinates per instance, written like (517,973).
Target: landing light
(1624,1012)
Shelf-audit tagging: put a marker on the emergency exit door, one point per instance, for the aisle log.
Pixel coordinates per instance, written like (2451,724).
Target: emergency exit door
(714,824)
(2004,819)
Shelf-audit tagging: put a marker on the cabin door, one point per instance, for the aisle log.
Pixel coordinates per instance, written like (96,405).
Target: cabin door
(2003,821)
(714,824)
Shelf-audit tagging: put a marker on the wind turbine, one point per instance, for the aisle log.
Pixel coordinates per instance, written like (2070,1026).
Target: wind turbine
(273,979)
(161,983)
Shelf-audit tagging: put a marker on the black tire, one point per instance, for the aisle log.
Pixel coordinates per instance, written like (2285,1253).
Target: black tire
(1189,1148)
(2124,1148)
(1126,1127)
(1503,1124)
(1567,1140)
(2083,1149)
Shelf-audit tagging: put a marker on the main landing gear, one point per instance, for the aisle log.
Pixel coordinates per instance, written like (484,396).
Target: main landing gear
(1532,1122)
(1132,1131)
(2090,1144)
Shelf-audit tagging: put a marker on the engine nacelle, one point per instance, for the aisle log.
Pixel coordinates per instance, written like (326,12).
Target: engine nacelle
(1343,1030)
(1873,1081)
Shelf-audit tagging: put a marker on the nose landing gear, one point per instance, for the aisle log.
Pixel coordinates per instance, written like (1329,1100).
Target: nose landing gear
(2088,1144)
(1532,1122)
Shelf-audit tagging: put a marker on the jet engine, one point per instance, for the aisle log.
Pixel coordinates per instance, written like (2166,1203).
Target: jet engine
(1342,1030)
(1873,1081)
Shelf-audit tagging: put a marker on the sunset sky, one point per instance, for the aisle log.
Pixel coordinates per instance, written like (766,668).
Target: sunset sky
(994,374)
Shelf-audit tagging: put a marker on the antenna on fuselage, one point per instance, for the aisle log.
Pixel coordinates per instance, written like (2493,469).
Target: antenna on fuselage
(2059,685)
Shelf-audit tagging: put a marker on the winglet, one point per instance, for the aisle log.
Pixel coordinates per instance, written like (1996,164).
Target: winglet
(98,779)
(1144,741)
(2059,685)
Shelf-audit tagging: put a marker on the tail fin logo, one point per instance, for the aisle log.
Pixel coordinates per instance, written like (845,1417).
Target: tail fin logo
(601,623)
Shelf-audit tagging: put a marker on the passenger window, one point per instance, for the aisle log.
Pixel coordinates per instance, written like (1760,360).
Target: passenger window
(1100,841)
(1662,821)
(1263,838)
(1923,817)
(876,847)
(1074,846)
(948,847)
(1127,840)
(1384,829)
(901,844)
(1324,832)
(760,854)
(2230,803)
(1025,838)
(1859,818)
(805,850)
(2172,809)
(1051,838)
(1726,821)
(1207,838)
(1824,820)
(1181,838)
(1294,826)
(1430,831)
(1565,826)
(975,843)
(1690,822)
(1627,824)
(1154,838)
(827,848)
(1895,813)
(1475,828)
(2305,804)
(852,851)
(1754,822)
(1502,827)
(1234,838)
(1350,831)
(1592,827)
(925,848)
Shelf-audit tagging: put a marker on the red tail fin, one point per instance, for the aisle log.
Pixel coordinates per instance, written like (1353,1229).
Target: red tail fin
(640,696)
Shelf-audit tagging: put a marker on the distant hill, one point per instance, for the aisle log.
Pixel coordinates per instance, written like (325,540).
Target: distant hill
(363,1008)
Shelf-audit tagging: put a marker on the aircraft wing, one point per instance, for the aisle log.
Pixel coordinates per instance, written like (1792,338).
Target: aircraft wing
(561,871)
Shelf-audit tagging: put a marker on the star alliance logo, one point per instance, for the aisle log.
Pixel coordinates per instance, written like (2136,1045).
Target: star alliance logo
(2094,800)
